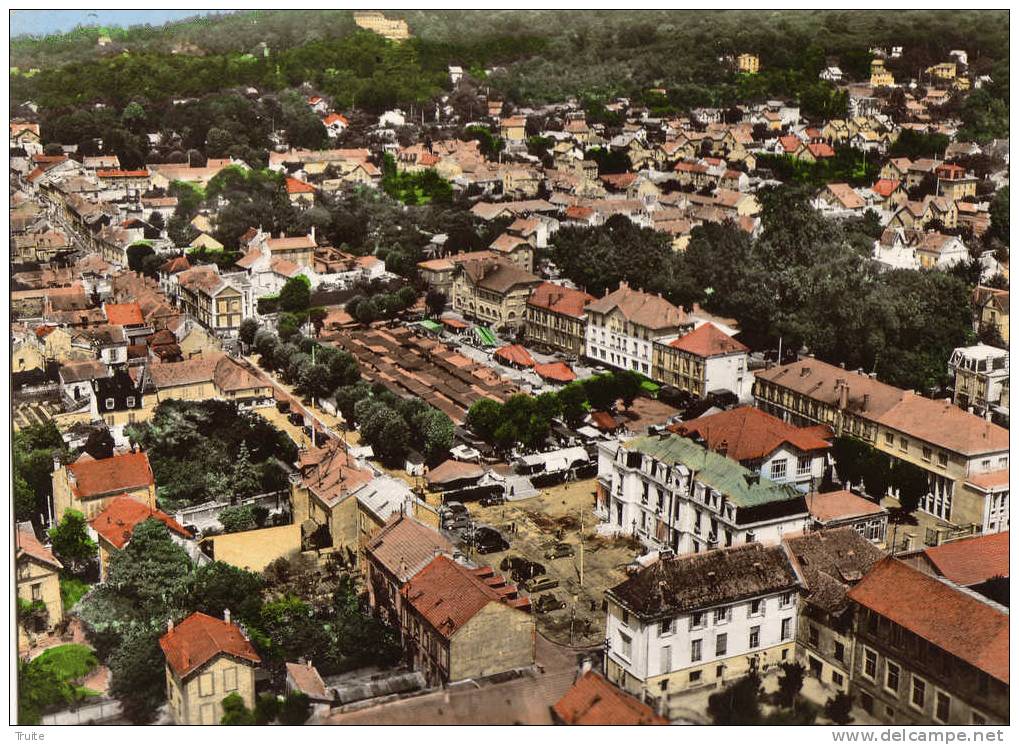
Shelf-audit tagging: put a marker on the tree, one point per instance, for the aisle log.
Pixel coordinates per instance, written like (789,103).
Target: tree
(249,328)
(267,706)
(148,567)
(237,519)
(790,683)
(484,418)
(999,213)
(738,703)
(572,398)
(138,678)
(295,709)
(387,432)
(435,301)
(347,396)
(40,690)
(235,712)
(295,297)
(72,544)
(839,707)
(217,586)
(134,115)
(911,483)
(137,254)
(100,444)
(434,430)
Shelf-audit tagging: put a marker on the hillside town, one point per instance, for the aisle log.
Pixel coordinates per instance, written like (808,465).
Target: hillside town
(496,411)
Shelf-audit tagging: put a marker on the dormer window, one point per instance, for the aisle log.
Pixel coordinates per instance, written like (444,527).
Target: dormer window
(110,403)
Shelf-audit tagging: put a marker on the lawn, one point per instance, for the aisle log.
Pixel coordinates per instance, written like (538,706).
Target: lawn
(68,661)
(72,590)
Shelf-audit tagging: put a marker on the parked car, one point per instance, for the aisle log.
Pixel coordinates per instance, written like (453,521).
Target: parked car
(192,529)
(540,584)
(488,541)
(296,418)
(282,406)
(558,551)
(527,570)
(490,500)
(548,602)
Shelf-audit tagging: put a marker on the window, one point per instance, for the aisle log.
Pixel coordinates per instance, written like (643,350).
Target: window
(722,615)
(721,644)
(206,685)
(130,402)
(943,460)
(927,454)
(109,403)
(785,600)
(697,621)
(942,706)
(903,444)
(695,676)
(756,608)
(869,664)
(840,651)
(815,635)
(867,702)
(892,672)
(665,627)
(889,439)
(37,591)
(836,678)
(787,628)
(755,637)
(919,692)
(666,660)
(625,645)
(695,650)
(778,469)
(803,465)
(230,679)
(626,617)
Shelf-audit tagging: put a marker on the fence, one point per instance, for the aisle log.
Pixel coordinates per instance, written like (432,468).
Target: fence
(208,511)
(90,714)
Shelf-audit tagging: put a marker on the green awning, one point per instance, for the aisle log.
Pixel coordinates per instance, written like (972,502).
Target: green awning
(485,336)
(430,325)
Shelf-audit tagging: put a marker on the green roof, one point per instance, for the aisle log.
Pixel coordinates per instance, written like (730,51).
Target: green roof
(430,325)
(486,336)
(739,485)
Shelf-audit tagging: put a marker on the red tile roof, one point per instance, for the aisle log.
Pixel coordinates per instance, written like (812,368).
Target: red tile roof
(117,522)
(885,187)
(576,212)
(200,638)
(958,623)
(945,425)
(29,545)
(748,434)
(296,186)
(404,545)
(603,420)
(840,505)
(333,118)
(448,595)
(558,372)
(559,299)
(593,700)
(117,173)
(821,150)
(707,340)
(970,561)
(990,481)
(514,354)
(121,473)
(790,143)
(124,314)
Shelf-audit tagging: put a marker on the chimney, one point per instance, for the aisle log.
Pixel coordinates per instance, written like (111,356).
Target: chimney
(312,234)
(842,365)
(585,665)
(723,447)
(226,615)
(841,393)
(169,625)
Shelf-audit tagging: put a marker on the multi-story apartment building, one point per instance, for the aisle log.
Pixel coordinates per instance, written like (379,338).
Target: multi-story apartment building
(690,621)
(928,652)
(702,361)
(981,378)
(964,456)
(218,303)
(457,623)
(954,182)
(90,485)
(675,494)
(493,291)
(991,306)
(830,562)
(623,325)
(38,581)
(763,444)
(555,317)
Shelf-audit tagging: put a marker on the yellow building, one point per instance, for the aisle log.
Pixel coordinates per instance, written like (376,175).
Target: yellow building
(942,71)
(212,375)
(25,356)
(254,550)
(555,318)
(879,76)
(89,485)
(38,580)
(992,309)
(513,129)
(207,659)
(212,301)
(494,292)
(748,63)
(488,630)
(393,29)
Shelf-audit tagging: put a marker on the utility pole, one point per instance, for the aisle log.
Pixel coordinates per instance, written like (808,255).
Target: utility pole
(581,557)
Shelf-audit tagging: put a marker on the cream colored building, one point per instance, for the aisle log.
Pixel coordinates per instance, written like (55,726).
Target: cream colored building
(493,292)
(207,659)
(89,485)
(38,580)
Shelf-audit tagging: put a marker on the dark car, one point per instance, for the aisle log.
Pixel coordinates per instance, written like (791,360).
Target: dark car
(488,541)
(282,406)
(529,570)
(548,602)
(492,499)
(558,551)
(539,584)
(296,418)
(456,522)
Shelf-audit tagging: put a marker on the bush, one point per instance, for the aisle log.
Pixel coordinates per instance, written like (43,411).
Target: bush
(235,712)
(238,519)
(838,708)
(267,707)
(295,709)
